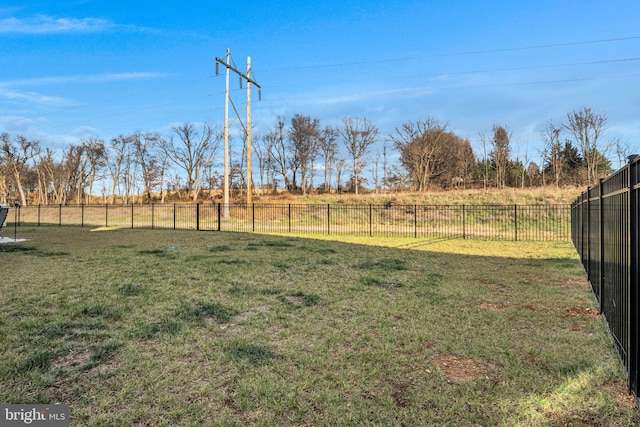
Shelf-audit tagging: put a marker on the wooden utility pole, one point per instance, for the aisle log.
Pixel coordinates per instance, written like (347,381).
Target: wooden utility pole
(249,173)
(227,63)
(225,211)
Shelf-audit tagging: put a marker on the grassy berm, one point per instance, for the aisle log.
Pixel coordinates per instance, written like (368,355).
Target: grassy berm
(142,327)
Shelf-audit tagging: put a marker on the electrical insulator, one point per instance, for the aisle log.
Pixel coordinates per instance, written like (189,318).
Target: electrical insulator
(259,94)
(217,68)
(240,82)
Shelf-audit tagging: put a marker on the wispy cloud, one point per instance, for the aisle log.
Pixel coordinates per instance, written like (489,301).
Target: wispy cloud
(42,24)
(95,78)
(367,96)
(33,97)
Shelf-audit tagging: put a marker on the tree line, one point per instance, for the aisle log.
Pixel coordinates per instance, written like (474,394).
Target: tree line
(300,156)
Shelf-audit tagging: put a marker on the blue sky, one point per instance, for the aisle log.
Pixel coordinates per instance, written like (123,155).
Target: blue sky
(77,69)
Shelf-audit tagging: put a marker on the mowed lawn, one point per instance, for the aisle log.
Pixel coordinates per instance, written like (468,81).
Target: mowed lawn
(148,327)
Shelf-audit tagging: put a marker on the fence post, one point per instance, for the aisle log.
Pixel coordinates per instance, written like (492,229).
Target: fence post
(464,223)
(588,266)
(585,228)
(197,216)
(633,278)
(370,220)
(253,217)
(328,218)
(153,218)
(415,221)
(515,222)
(289,217)
(219,216)
(601,238)
(59,214)
(132,215)
(39,206)
(174,216)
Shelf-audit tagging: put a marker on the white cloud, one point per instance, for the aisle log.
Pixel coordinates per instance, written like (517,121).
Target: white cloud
(85,132)
(96,78)
(42,24)
(15,123)
(33,97)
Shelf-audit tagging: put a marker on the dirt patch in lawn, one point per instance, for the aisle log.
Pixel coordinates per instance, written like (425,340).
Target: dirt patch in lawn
(401,393)
(581,312)
(460,369)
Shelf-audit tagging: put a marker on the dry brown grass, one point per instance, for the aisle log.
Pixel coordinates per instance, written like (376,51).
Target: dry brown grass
(521,196)
(536,195)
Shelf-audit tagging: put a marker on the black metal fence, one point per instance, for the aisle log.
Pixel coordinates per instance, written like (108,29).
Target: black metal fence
(491,222)
(604,228)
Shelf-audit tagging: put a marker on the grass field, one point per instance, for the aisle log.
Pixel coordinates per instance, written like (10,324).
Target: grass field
(142,327)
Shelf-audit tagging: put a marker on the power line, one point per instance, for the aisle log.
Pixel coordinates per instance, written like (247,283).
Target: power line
(487,51)
(414,90)
(495,70)
(466,53)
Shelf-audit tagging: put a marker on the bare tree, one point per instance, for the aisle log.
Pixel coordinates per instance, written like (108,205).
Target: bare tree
(95,153)
(358,135)
(550,135)
(533,171)
(144,145)
(304,135)
(65,180)
(265,161)
(623,151)
(500,153)
(192,152)
(117,159)
(43,185)
(74,169)
(328,146)
(340,165)
(587,128)
(485,159)
(239,169)
(279,150)
(48,172)
(16,158)
(4,185)
(375,172)
(385,164)
(429,152)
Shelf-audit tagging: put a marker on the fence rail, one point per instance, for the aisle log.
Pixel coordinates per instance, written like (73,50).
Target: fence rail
(604,230)
(491,222)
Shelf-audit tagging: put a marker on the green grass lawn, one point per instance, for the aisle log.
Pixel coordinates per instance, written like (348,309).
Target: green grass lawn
(142,327)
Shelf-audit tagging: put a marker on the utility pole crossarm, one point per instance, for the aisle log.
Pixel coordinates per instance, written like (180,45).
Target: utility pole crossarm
(240,73)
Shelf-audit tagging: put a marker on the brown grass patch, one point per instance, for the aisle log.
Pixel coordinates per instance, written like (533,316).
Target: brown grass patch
(70,361)
(295,300)
(576,282)
(492,306)
(621,394)
(460,369)
(581,312)
(248,314)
